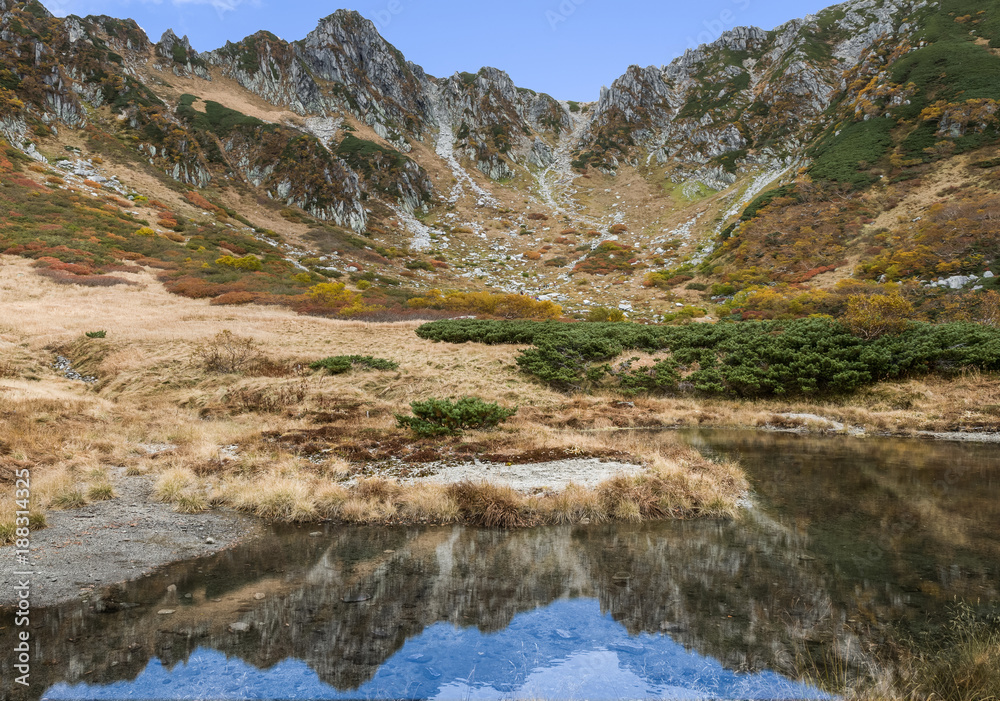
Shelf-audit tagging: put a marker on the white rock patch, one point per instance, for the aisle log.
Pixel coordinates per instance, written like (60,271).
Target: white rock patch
(557,474)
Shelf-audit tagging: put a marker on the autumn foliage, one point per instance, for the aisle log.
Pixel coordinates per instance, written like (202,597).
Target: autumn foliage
(873,316)
(506,306)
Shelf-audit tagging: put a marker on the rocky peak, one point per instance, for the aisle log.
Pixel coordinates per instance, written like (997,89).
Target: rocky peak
(270,67)
(123,34)
(346,49)
(32,7)
(182,59)
(731,95)
(165,46)
(498,124)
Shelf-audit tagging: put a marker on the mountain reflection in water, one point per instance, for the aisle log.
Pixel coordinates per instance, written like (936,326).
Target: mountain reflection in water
(852,546)
(566,650)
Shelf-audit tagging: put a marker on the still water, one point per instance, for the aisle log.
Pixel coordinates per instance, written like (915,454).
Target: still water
(851,545)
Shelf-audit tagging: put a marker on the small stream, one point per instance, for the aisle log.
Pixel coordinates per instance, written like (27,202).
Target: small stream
(851,545)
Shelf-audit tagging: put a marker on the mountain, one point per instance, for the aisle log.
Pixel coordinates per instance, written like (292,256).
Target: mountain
(840,152)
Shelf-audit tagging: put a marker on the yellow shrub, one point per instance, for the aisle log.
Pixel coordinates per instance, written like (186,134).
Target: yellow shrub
(330,294)
(871,316)
(508,306)
(247,262)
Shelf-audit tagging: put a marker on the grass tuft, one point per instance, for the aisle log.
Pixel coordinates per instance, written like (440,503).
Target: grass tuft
(489,505)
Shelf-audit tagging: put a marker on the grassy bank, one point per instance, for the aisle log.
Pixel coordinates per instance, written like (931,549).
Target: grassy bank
(959,661)
(251,426)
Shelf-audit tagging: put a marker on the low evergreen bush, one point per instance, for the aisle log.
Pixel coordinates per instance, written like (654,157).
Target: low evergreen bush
(337,364)
(747,359)
(442,417)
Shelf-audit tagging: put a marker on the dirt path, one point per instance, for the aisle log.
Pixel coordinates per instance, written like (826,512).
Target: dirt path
(118,540)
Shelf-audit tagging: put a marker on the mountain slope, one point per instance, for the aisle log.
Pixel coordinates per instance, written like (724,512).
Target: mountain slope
(864,114)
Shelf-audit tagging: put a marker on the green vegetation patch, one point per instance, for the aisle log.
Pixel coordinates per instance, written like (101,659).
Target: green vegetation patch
(217,119)
(750,359)
(339,364)
(764,199)
(609,257)
(442,417)
(846,155)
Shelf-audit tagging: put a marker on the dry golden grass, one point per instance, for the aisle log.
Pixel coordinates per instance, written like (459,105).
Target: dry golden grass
(205,440)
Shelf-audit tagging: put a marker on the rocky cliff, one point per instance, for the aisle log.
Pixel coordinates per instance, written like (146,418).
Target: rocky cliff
(870,97)
(749,97)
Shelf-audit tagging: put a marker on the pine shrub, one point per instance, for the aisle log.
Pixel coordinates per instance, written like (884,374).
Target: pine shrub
(338,364)
(442,417)
(747,359)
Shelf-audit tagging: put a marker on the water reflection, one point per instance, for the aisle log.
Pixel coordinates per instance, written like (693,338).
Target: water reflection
(853,545)
(566,650)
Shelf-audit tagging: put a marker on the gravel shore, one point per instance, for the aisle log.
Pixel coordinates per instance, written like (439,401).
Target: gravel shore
(117,540)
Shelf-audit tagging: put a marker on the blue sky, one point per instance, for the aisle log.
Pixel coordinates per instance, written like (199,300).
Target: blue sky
(567,48)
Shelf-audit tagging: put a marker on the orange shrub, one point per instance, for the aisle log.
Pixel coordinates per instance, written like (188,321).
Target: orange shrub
(235,297)
(200,202)
(194,287)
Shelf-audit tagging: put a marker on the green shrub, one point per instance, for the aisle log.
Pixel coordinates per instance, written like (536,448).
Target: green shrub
(847,154)
(763,200)
(96,334)
(442,417)
(722,289)
(749,359)
(216,118)
(337,364)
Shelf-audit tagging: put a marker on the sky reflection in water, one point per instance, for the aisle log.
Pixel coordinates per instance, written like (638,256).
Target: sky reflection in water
(566,650)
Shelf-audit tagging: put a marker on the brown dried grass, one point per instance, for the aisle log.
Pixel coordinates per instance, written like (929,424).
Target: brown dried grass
(154,389)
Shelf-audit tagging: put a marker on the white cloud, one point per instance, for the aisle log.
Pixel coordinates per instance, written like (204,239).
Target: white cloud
(221,6)
(61,8)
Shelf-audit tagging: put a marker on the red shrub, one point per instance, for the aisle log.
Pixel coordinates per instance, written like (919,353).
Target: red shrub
(156,263)
(63,278)
(238,250)
(810,274)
